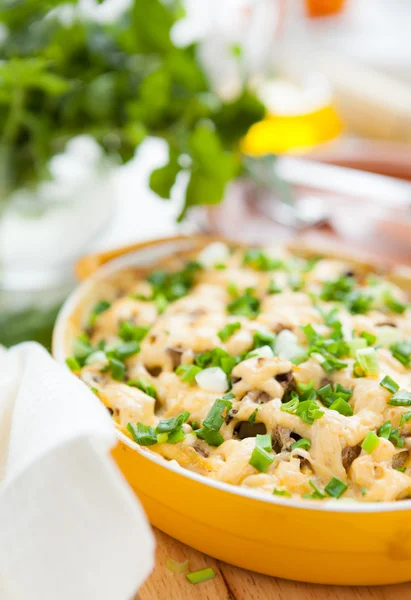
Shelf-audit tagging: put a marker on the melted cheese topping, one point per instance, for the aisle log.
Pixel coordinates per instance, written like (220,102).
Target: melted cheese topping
(260,385)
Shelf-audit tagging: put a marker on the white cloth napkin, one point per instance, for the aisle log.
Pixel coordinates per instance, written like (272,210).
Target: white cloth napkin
(70,527)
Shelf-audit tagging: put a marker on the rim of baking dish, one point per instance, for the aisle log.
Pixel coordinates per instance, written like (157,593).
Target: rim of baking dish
(59,353)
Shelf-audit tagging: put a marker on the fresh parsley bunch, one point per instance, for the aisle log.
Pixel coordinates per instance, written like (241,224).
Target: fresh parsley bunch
(118,82)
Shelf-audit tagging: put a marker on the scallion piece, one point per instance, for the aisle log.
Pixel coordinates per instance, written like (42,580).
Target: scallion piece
(389,384)
(201,575)
(144,435)
(143,385)
(291,405)
(264,441)
(175,566)
(281,493)
(342,407)
(173,423)
(385,430)
(260,459)
(368,360)
(317,494)
(217,414)
(304,443)
(228,330)
(400,398)
(335,487)
(73,363)
(188,373)
(252,417)
(130,332)
(161,438)
(356,344)
(117,368)
(176,436)
(370,442)
(212,437)
(405,418)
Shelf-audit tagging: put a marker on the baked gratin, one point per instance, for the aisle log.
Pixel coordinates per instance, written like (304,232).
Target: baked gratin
(261,369)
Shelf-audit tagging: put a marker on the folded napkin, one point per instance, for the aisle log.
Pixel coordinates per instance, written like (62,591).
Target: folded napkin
(70,527)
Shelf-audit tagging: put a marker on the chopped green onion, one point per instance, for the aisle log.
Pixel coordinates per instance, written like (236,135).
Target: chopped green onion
(400,398)
(389,384)
(232,289)
(97,310)
(368,360)
(342,406)
(264,441)
(94,390)
(125,350)
(260,261)
(393,304)
(130,332)
(201,575)
(176,436)
(402,352)
(405,418)
(309,411)
(335,487)
(273,288)
(317,494)
(228,330)
(220,267)
(368,337)
(173,423)
(385,430)
(229,396)
(401,469)
(291,405)
(303,443)
(252,417)
(212,437)
(188,373)
(73,363)
(260,459)
(263,338)
(82,348)
(142,434)
(281,493)
(356,344)
(117,368)
(217,414)
(176,567)
(363,491)
(161,303)
(396,439)
(161,438)
(246,305)
(370,442)
(143,385)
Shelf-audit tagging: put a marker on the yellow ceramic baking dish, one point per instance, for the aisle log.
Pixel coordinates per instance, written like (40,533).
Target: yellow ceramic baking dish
(333,543)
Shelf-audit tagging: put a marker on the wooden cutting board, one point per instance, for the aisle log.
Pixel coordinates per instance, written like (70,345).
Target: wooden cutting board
(232,583)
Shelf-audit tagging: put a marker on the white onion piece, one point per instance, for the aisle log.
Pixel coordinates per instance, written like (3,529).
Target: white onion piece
(262,352)
(96,358)
(213,380)
(213,254)
(286,345)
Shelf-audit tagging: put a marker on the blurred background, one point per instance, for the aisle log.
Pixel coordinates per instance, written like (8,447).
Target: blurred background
(123,120)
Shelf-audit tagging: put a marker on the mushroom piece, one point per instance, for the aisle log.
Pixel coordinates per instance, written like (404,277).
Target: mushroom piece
(282,438)
(257,396)
(175,354)
(286,379)
(400,459)
(349,454)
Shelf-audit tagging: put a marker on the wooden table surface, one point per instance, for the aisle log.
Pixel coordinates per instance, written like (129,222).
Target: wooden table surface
(232,583)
